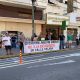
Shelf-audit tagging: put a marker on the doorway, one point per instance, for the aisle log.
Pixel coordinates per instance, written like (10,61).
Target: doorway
(55,31)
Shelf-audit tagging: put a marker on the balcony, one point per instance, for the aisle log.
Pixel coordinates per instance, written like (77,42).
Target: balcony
(24,3)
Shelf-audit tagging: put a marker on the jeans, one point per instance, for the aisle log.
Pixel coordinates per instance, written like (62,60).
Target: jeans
(61,44)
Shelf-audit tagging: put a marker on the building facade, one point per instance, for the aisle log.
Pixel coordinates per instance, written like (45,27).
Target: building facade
(16,16)
(54,18)
(62,9)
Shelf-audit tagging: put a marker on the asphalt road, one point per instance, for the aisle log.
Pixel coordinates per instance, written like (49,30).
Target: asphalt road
(53,66)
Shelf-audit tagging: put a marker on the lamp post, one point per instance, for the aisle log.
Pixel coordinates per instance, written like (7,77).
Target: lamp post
(33,4)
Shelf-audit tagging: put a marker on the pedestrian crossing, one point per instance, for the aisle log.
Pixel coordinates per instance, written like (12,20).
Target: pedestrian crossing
(12,62)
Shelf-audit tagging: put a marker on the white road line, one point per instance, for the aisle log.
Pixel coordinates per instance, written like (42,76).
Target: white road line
(17,58)
(63,62)
(36,56)
(10,64)
(50,64)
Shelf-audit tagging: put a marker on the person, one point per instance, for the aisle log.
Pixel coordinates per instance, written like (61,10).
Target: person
(69,39)
(21,41)
(13,39)
(7,43)
(0,41)
(79,37)
(34,37)
(49,36)
(61,38)
(77,40)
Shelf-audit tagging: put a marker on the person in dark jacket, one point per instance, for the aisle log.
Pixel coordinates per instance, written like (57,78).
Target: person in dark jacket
(61,38)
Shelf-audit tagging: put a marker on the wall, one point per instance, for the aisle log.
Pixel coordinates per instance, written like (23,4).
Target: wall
(55,9)
(23,25)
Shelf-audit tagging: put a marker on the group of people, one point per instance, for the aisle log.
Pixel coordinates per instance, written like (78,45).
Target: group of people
(8,42)
(42,36)
(49,36)
(68,44)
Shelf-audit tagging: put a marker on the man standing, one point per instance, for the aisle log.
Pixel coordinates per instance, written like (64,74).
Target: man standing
(21,41)
(7,43)
(61,38)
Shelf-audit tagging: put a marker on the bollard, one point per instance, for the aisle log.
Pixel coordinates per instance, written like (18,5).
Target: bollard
(20,56)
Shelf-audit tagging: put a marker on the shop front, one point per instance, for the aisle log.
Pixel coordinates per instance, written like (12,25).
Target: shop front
(54,24)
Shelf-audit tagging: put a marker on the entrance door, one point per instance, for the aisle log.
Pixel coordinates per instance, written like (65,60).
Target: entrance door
(55,32)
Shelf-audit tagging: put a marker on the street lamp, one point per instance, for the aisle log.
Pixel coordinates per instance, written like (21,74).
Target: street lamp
(33,5)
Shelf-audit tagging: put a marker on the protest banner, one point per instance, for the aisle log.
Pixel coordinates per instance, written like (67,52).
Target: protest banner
(41,46)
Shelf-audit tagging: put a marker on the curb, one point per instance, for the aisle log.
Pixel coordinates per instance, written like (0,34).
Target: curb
(48,52)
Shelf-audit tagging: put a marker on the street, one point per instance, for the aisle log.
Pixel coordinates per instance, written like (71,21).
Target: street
(53,66)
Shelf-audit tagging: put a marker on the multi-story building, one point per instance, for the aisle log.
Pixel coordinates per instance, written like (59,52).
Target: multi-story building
(60,7)
(16,16)
(74,17)
(54,18)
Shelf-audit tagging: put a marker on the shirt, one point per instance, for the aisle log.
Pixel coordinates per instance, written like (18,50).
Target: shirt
(62,37)
(6,41)
(69,37)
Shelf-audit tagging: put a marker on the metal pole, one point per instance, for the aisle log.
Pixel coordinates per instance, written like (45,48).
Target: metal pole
(69,6)
(32,17)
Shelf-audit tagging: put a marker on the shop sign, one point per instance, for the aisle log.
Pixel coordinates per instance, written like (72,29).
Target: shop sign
(57,19)
(40,46)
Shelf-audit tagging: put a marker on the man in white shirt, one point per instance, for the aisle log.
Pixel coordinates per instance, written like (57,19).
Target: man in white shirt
(7,43)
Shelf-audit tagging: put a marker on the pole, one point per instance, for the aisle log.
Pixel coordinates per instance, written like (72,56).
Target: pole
(69,6)
(20,56)
(32,17)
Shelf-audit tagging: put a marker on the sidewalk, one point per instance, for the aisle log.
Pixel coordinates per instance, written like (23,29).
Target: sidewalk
(16,50)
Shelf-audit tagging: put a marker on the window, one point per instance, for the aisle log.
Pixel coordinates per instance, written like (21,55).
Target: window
(51,1)
(61,1)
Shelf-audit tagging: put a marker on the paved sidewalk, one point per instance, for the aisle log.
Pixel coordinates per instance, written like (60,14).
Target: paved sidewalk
(16,50)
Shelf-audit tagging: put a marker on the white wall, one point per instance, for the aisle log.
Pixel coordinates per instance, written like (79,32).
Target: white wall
(54,9)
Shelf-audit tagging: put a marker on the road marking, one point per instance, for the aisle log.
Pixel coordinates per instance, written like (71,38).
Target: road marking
(44,59)
(50,64)
(16,59)
(63,62)
(36,56)
(16,63)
